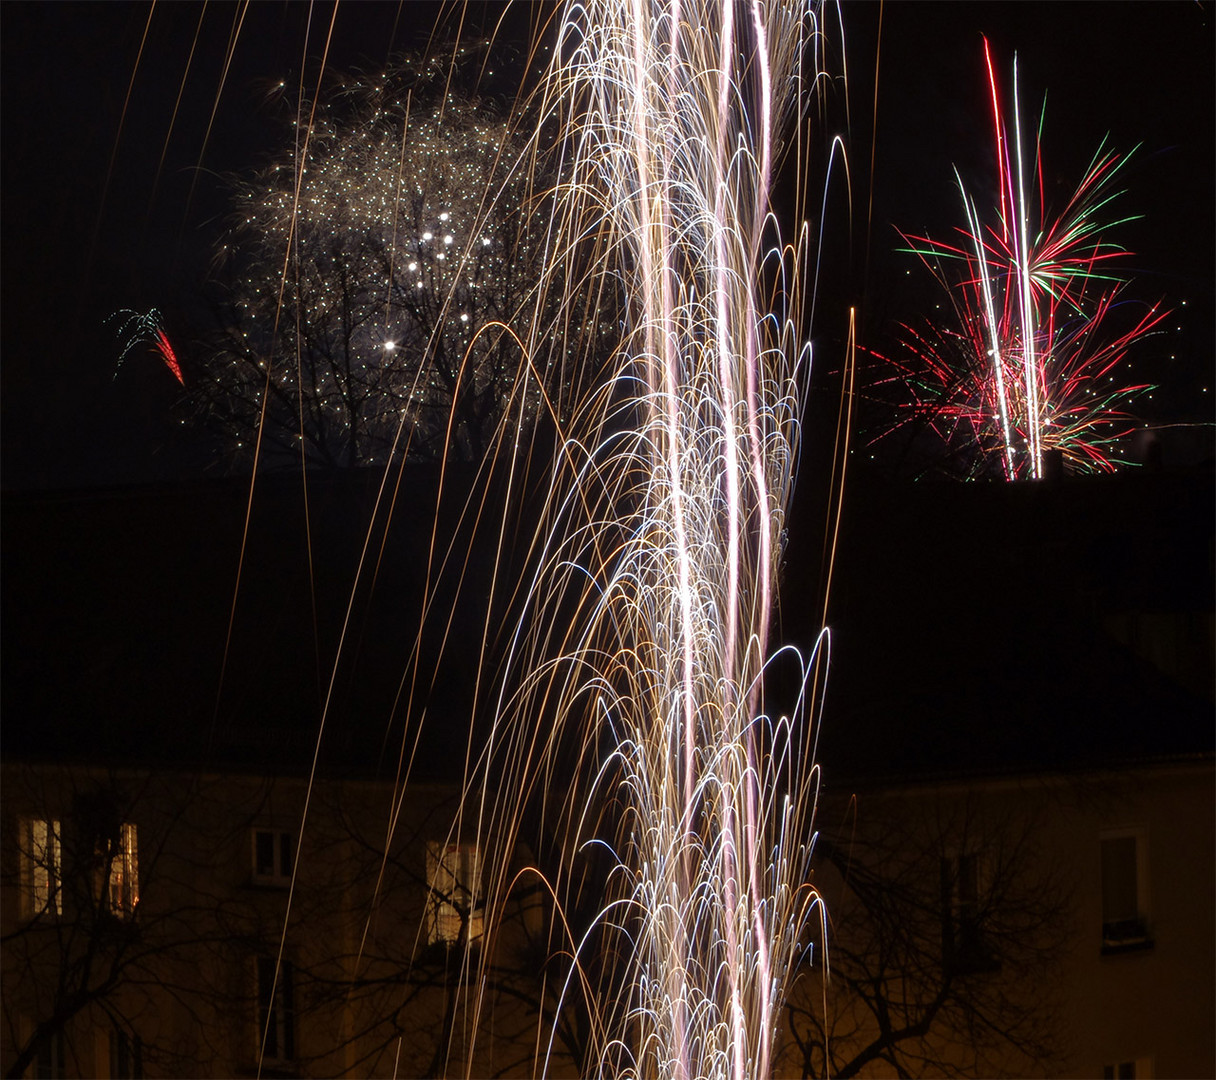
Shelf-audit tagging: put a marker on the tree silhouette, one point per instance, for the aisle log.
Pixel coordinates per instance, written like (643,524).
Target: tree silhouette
(946,919)
(376,275)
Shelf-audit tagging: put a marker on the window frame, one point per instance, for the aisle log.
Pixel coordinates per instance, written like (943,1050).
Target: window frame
(41,878)
(1129,934)
(120,889)
(282,841)
(275,997)
(453,894)
(964,949)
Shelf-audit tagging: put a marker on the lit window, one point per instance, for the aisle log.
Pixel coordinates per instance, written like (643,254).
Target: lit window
(276,1011)
(121,853)
(1125,891)
(41,868)
(273,856)
(453,872)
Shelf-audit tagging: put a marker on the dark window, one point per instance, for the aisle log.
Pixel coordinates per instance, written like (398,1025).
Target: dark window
(1124,920)
(126,1055)
(273,855)
(50,1057)
(276,1011)
(964,949)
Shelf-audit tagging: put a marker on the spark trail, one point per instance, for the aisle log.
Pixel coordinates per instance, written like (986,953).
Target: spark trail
(1028,366)
(646,637)
(146,328)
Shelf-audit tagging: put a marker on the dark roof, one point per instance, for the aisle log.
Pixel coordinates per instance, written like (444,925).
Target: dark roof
(976,628)
(993,628)
(117,606)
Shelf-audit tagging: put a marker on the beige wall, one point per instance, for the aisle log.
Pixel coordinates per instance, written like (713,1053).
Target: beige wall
(370,996)
(190,992)
(1158,1004)
(1155,1006)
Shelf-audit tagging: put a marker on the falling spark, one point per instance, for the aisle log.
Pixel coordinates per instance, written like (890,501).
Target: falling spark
(140,329)
(645,638)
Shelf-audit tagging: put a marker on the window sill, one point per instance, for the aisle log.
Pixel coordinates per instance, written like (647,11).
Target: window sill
(1117,948)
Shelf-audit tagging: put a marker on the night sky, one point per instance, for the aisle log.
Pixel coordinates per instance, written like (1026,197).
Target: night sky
(94,221)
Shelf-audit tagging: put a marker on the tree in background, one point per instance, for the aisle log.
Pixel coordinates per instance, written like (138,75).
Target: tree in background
(377,273)
(946,919)
(146,920)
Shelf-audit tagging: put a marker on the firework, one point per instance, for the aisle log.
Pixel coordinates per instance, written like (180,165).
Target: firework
(371,269)
(630,713)
(644,645)
(143,329)
(1028,367)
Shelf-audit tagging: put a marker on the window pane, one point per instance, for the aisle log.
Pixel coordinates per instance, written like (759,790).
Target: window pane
(285,854)
(267,1025)
(263,853)
(1120,901)
(453,871)
(276,1015)
(42,859)
(126,1056)
(124,871)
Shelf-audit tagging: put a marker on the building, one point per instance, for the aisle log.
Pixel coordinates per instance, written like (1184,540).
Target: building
(1016,839)
(1016,822)
(200,877)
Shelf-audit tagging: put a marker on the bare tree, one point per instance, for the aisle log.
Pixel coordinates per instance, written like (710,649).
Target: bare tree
(383,280)
(945,918)
(150,912)
(90,942)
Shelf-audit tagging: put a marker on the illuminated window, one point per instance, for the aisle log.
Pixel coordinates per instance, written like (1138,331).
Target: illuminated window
(41,868)
(273,856)
(1125,891)
(276,1011)
(453,872)
(121,854)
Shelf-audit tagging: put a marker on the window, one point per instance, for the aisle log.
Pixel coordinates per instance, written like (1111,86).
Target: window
(41,868)
(964,950)
(1124,892)
(51,1057)
(1140,1069)
(126,1055)
(120,852)
(276,1011)
(273,855)
(453,872)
